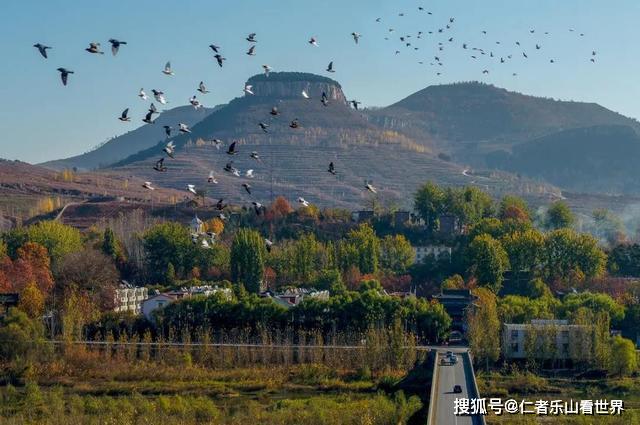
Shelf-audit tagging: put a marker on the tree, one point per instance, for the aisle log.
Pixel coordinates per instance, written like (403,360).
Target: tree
(248,254)
(559,215)
(4,251)
(396,253)
(513,207)
(280,207)
(623,356)
(468,204)
(30,266)
(168,243)
(429,202)
(487,261)
(567,251)
(110,244)
(484,327)
(453,282)
(214,225)
(524,249)
(32,301)
(607,226)
(26,336)
(330,280)
(170,277)
(596,302)
(57,238)
(519,309)
(367,248)
(624,260)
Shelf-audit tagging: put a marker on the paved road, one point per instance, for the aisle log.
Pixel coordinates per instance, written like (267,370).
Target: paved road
(448,376)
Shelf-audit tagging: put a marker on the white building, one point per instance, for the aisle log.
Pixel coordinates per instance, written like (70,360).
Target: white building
(130,298)
(161,300)
(155,302)
(422,252)
(294,296)
(552,339)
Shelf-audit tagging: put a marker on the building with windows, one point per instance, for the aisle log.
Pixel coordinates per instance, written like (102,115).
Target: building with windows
(422,252)
(545,340)
(130,298)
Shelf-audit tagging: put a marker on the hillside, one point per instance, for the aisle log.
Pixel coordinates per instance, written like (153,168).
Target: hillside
(592,159)
(133,141)
(470,119)
(29,191)
(294,161)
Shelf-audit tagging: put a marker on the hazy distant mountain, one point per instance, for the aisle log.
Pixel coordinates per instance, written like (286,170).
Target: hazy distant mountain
(295,161)
(133,141)
(471,119)
(593,159)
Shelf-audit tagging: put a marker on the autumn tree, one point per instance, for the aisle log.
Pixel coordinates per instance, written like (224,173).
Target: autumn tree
(32,265)
(487,261)
(57,238)
(453,282)
(214,225)
(483,326)
(367,247)
(396,253)
(32,301)
(566,251)
(248,253)
(280,207)
(624,361)
(559,215)
(513,207)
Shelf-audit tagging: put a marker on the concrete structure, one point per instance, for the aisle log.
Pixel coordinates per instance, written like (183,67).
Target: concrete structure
(449,226)
(294,296)
(456,302)
(130,298)
(161,300)
(422,252)
(544,339)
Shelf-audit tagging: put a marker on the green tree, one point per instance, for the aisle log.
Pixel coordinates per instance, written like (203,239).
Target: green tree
(26,336)
(110,244)
(331,280)
(429,202)
(58,238)
(367,247)
(453,282)
(524,249)
(468,204)
(487,261)
(559,215)
(519,309)
(595,302)
(483,326)
(567,252)
(167,243)
(170,276)
(248,255)
(623,356)
(396,253)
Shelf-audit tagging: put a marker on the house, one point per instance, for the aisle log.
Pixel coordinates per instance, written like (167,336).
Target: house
(130,298)
(155,302)
(400,218)
(294,296)
(422,252)
(456,302)
(362,216)
(545,340)
(7,301)
(449,226)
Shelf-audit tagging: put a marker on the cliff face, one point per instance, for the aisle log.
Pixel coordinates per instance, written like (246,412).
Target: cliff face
(283,85)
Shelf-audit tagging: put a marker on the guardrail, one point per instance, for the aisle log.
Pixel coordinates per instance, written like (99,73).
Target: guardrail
(469,363)
(434,394)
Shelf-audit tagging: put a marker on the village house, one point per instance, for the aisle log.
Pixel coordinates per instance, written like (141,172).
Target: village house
(294,296)
(130,298)
(161,300)
(422,252)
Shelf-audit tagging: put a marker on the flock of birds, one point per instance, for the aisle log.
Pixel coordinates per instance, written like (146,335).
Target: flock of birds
(446,42)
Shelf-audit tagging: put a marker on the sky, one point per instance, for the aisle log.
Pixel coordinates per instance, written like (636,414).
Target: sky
(42,120)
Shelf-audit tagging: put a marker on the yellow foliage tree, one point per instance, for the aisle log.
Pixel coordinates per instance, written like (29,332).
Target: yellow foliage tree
(32,300)
(215,225)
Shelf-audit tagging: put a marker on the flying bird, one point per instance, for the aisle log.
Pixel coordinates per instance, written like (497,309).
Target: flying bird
(42,49)
(167,130)
(195,102)
(332,168)
(305,95)
(268,244)
(303,201)
(212,178)
(159,166)
(220,205)
(220,59)
(202,88)
(251,51)
(313,41)
(330,67)
(232,149)
(251,38)
(370,187)
(115,45)
(167,69)
(355,104)
(159,96)
(247,187)
(191,188)
(356,36)
(264,127)
(183,128)
(229,168)
(294,123)
(149,118)
(64,75)
(94,48)
(254,155)
(217,143)
(147,185)
(123,117)
(249,174)
(267,69)
(258,207)
(324,99)
(169,149)
(142,95)
(247,89)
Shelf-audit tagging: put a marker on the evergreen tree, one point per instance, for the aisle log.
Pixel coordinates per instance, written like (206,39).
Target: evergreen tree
(248,255)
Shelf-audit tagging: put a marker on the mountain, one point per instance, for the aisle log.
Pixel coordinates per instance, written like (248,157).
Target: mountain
(133,141)
(467,120)
(294,161)
(591,159)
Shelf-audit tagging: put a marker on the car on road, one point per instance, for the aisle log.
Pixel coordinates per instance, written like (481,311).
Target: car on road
(457,389)
(453,359)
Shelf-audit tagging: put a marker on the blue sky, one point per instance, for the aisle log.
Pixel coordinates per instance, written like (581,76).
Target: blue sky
(41,120)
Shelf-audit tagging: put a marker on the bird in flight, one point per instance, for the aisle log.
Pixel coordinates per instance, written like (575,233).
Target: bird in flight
(64,75)
(370,187)
(267,69)
(251,38)
(94,48)
(115,45)
(251,51)
(232,149)
(170,149)
(264,127)
(195,102)
(356,36)
(183,128)
(247,89)
(42,49)
(324,99)
(212,178)
(254,155)
(215,48)
(202,88)
(313,41)
(355,104)
(142,95)
(330,67)
(147,185)
(247,187)
(294,123)
(159,96)
(217,143)
(249,174)
(303,202)
(191,188)
(305,95)
(167,69)
(220,59)
(123,117)
(229,168)
(167,130)
(149,117)
(159,166)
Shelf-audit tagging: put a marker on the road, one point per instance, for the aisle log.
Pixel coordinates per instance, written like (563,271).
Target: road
(448,376)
